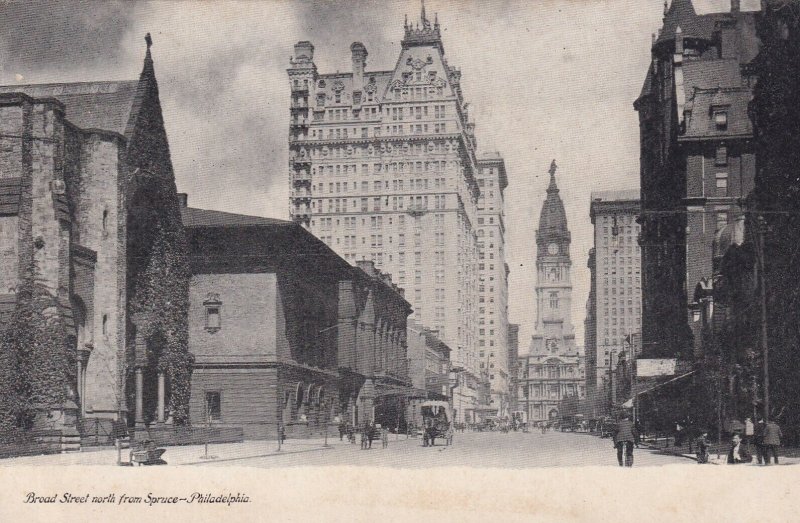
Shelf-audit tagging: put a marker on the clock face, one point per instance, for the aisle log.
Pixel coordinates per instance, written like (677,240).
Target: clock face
(552,248)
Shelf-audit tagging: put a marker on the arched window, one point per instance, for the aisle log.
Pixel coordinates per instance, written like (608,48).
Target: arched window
(105,324)
(553,300)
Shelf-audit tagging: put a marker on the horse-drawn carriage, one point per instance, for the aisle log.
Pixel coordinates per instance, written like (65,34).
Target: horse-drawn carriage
(437,421)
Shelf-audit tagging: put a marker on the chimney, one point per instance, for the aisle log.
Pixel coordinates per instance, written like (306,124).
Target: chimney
(183,200)
(304,51)
(736,6)
(359,54)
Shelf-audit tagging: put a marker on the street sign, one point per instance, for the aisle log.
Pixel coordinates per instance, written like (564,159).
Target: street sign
(655,367)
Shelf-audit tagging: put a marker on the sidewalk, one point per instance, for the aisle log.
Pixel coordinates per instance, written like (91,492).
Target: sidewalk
(182,455)
(714,450)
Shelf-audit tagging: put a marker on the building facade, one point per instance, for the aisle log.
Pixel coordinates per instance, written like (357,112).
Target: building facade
(429,369)
(383,168)
(616,288)
(493,280)
(697,162)
(554,368)
(513,364)
(80,165)
(286,333)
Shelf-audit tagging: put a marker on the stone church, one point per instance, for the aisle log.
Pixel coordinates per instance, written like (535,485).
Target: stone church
(85,181)
(554,368)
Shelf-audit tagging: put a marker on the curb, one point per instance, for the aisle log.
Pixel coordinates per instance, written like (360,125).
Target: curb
(281,453)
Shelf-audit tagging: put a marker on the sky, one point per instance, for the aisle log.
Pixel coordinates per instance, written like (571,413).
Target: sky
(547,79)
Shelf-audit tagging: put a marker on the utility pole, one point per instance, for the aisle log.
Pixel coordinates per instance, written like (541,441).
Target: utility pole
(761,226)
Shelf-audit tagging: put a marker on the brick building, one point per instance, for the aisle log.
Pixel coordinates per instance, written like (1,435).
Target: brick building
(429,369)
(697,162)
(76,161)
(383,167)
(284,331)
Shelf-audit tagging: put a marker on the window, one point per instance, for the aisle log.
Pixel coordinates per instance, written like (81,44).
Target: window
(553,300)
(721,157)
(721,119)
(722,219)
(722,184)
(213,307)
(213,406)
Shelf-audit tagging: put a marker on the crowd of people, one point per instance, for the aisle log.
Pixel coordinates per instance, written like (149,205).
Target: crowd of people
(763,437)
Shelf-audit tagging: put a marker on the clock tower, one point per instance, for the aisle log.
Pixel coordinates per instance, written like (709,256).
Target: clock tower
(554,368)
(554,333)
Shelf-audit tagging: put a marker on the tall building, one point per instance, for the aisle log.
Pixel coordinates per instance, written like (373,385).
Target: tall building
(554,367)
(493,279)
(590,335)
(617,283)
(513,364)
(383,168)
(697,162)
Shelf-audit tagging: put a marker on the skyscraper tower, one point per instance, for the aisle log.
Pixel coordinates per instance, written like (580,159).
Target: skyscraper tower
(383,167)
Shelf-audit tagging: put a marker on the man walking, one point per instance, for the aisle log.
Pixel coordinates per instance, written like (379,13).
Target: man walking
(771,442)
(758,439)
(623,440)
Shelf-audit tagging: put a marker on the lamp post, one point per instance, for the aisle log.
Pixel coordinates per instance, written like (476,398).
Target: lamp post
(761,228)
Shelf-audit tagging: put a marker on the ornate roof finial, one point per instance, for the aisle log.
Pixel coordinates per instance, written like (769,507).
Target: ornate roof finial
(436,19)
(552,187)
(666,7)
(423,13)
(405,24)
(148,40)
(553,168)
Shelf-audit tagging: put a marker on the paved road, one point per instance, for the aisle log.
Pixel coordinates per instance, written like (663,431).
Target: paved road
(478,449)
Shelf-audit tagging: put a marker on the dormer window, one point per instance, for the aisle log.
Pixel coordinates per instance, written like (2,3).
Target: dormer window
(721,119)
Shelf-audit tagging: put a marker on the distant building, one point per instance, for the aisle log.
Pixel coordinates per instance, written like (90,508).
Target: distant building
(383,167)
(554,367)
(493,280)
(590,338)
(616,284)
(697,162)
(284,331)
(429,369)
(513,364)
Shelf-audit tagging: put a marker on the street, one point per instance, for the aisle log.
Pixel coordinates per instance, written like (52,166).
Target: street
(477,449)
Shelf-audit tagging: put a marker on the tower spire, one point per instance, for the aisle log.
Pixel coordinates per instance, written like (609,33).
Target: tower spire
(552,187)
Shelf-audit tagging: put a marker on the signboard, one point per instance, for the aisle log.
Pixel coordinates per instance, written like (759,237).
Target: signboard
(655,367)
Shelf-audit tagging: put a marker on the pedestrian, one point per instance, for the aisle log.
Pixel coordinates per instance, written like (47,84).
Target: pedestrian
(370,434)
(749,430)
(702,447)
(758,439)
(771,442)
(623,440)
(738,452)
(364,435)
(384,437)
(679,433)
(637,433)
